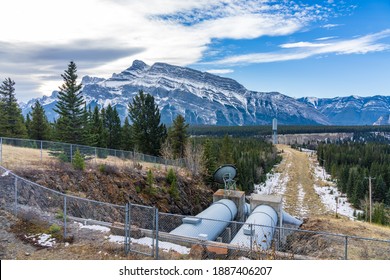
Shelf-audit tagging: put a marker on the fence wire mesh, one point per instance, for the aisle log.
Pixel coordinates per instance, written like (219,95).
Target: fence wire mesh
(144,230)
(16,152)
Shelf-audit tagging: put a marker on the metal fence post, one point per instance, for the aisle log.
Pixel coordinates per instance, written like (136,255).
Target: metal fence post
(251,237)
(156,214)
(1,150)
(41,151)
(64,216)
(127,227)
(71,153)
(346,248)
(16,197)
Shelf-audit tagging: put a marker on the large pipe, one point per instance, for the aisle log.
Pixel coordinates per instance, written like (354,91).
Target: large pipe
(288,219)
(210,223)
(259,228)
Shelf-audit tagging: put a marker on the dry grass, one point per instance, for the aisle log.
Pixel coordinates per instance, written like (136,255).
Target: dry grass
(300,197)
(16,157)
(13,157)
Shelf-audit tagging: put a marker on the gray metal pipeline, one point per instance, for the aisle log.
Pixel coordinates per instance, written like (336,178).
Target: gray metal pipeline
(258,229)
(210,223)
(288,219)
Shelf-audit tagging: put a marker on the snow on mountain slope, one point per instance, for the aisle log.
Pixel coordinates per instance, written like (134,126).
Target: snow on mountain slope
(352,110)
(201,97)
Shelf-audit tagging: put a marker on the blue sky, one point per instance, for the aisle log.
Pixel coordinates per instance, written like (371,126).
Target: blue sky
(299,48)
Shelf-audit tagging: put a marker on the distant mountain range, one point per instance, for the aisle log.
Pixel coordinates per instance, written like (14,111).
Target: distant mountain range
(204,98)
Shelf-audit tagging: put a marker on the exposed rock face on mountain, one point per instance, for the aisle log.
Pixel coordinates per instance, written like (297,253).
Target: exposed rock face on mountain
(202,98)
(352,110)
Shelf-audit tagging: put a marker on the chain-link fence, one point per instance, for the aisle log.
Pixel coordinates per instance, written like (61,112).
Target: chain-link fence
(19,152)
(144,230)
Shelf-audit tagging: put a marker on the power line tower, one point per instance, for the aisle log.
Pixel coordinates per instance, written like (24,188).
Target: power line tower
(275,131)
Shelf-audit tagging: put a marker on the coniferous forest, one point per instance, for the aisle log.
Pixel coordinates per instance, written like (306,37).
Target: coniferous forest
(351,164)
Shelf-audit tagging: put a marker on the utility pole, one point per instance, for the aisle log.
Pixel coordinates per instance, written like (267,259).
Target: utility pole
(370,194)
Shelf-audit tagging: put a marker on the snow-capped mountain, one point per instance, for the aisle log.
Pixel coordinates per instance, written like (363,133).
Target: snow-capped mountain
(351,110)
(201,97)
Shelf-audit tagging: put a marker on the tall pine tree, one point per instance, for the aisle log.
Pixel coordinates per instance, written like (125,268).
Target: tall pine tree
(112,124)
(148,132)
(39,126)
(11,118)
(127,136)
(70,123)
(178,136)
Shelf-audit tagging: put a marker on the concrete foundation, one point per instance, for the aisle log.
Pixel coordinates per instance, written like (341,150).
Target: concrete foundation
(238,197)
(274,201)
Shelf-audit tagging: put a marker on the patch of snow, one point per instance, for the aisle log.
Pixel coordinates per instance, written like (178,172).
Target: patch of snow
(93,227)
(303,210)
(331,197)
(43,239)
(146,241)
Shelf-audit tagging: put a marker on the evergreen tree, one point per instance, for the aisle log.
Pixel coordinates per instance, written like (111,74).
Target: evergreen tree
(178,136)
(226,152)
(70,123)
(11,118)
(39,126)
(148,132)
(97,129)
(28,125)
(127,136)
(112,124)
(209,160)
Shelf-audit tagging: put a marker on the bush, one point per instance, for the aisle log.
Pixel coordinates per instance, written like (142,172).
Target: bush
(63,157)
(151,190)
(171,176)
(174,191)
(78,161)
(54,228)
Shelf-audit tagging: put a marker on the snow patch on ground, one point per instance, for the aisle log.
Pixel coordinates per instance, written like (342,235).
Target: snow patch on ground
(330,196)
(274,184)
(43,239)
(333,198)
(303,210)
(94,227)
(146,241)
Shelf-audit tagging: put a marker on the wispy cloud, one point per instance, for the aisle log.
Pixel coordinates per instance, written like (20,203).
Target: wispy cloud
(104,36)
(220,71)
(331,25)
(302,50)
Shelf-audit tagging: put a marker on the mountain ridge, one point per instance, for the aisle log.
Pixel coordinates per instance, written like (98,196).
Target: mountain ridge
(201,97)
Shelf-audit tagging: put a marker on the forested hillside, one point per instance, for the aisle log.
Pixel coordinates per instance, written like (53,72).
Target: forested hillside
(352,164)
(253,158)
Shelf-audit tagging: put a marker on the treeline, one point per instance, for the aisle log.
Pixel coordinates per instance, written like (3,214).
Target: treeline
(141,131)
(253,158)
(352,163)
(78,124)
(266,130)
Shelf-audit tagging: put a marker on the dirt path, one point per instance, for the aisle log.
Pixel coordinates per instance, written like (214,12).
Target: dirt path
(300,198)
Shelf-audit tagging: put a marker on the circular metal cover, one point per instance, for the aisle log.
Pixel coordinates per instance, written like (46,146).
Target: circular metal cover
(227,171)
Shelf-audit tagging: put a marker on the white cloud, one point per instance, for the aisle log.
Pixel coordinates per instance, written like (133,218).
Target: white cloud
(301,50)
(173,31)
(326,38)
(331,25)
(220,71)
(303,45)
